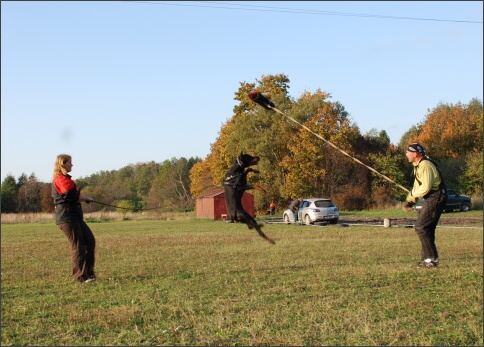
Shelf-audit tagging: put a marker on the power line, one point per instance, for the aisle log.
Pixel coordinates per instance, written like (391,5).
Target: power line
(259,8)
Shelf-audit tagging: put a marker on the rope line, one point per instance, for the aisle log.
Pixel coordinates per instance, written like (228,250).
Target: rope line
(124,208)
(342,151)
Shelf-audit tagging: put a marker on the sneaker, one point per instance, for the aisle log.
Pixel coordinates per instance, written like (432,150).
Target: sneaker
(83,279)
(427,263)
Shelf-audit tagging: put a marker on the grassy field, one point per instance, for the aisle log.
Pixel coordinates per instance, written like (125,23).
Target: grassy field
(203,282)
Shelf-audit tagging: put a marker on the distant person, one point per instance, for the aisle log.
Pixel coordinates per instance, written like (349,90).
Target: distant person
(69,217)
(428,184)
(294,207)
(272,208)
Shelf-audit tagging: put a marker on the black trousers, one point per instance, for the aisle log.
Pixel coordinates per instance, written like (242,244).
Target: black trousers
(426,223)
(83,246)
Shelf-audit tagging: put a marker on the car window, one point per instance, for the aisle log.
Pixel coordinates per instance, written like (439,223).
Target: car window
(305,204)
(324,203)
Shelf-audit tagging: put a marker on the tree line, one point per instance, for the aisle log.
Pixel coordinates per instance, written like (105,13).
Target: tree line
(294,163)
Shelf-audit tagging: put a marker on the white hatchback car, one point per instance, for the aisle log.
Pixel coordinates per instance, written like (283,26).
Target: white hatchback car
(313,210)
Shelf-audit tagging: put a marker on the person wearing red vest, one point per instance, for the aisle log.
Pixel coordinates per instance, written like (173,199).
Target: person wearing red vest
(272,208)
(69,217)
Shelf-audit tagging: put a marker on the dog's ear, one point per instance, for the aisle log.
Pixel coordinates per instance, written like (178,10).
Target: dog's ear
(241,154)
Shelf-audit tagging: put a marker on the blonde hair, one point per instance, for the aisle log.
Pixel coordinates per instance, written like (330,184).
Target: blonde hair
(59,164)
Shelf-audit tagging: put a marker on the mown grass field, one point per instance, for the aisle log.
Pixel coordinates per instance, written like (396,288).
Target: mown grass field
(204,282)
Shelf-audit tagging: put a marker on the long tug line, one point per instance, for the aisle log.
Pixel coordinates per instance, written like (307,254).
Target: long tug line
(124,208)
(267,104)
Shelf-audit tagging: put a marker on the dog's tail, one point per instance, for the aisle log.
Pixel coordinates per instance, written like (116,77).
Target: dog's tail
(264,235)
(261,233)
(244,217)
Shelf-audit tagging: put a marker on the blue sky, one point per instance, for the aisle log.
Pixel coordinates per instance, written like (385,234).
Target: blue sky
(123,82)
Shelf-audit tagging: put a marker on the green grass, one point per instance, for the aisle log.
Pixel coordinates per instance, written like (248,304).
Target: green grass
(204,282)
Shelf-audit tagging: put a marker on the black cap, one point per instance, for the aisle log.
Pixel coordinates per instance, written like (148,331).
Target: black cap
(416,147)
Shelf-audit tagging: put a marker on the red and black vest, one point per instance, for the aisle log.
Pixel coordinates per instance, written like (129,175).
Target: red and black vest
(66,200)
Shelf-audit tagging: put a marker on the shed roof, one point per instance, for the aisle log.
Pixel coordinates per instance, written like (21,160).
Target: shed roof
(212,194)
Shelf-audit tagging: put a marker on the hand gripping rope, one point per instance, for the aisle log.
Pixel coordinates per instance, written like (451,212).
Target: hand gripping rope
(269,105)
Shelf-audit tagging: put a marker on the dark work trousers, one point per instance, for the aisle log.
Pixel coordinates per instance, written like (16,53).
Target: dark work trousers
(83,246)
(426,223)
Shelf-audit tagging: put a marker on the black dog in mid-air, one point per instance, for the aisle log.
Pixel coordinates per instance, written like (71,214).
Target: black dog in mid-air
(235,184)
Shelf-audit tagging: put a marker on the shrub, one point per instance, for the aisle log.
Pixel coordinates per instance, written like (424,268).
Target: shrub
(382,198)
(352,199)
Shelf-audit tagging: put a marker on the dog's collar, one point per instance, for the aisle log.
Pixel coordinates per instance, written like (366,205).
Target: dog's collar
(241,164)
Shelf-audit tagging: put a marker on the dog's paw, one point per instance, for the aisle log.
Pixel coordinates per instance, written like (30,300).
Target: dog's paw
(251,170)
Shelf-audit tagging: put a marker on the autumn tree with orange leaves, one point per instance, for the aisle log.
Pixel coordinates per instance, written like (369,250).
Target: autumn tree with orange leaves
(449,131)
(452,135)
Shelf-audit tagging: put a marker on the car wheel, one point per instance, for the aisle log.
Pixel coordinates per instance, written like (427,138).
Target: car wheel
(286,219)
(465,208)
(307,220)
(333,221)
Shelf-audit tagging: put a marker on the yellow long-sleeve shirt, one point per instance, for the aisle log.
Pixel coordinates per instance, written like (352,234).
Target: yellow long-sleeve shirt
(427,178)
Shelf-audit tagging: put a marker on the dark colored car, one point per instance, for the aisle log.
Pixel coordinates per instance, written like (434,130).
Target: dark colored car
(455,201)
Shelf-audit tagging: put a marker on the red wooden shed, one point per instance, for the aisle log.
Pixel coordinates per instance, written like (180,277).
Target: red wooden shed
(212,205)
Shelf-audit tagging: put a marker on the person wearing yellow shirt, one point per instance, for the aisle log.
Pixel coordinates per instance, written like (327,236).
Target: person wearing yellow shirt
(429,185)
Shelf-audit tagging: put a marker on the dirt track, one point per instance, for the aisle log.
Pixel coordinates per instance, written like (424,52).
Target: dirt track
(461,221)
(406,222)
